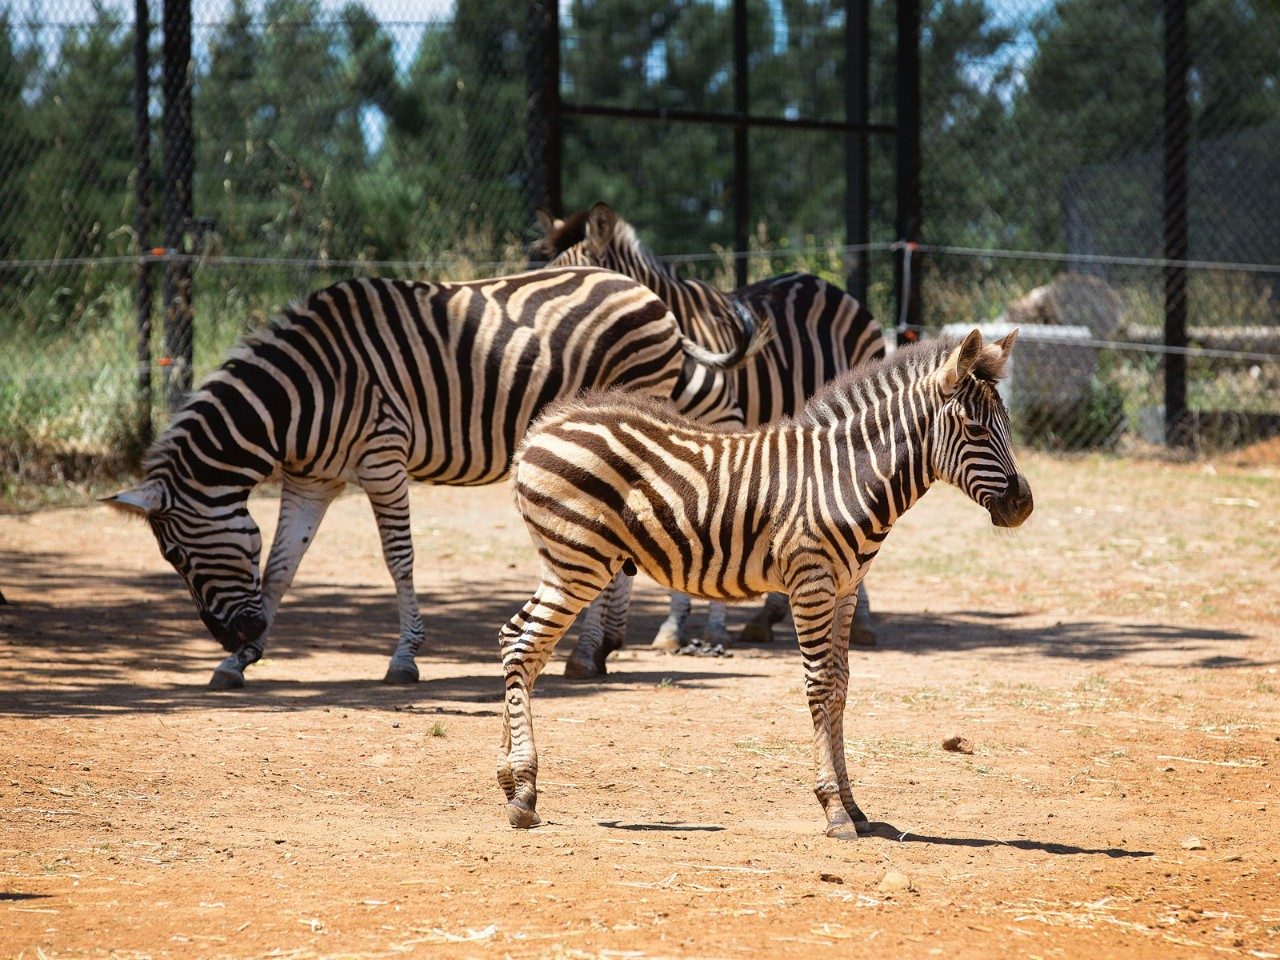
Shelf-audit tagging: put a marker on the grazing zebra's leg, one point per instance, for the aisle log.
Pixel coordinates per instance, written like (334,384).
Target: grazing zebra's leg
(303,504)
(673,633)
(813,608)
(388,492)
(714,634)
(527,640)
(759,629)
(863,630)
(845,614)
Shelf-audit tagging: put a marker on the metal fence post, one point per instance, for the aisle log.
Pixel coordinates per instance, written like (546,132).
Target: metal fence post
(179,168)
(1177,136)
(543,130)
(741,144)
(857,172)
(907,280)
(142,215)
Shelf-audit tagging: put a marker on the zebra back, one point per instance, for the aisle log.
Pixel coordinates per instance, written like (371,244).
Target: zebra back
(818,331)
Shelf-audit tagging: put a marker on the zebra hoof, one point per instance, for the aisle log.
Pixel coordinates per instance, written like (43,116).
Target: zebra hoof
(756,631)
(576,669)
(667,638)
(401,673)
(843,831)
(522,817)
(226,680)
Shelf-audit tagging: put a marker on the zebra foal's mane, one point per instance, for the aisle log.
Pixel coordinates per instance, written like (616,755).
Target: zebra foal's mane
(853,390)
(861,387)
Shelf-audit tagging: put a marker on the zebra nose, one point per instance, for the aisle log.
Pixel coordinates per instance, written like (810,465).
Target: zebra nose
(1017,503)
(248,627)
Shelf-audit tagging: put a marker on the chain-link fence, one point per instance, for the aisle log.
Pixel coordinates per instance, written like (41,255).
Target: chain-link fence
(387,136)
(1121,165)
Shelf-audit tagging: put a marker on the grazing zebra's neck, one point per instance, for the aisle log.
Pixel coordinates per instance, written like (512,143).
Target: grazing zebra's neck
(700,309)
(220,442)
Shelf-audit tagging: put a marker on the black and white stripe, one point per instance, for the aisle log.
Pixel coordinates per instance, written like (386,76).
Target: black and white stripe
(379,382)
(818,331)
(801,507)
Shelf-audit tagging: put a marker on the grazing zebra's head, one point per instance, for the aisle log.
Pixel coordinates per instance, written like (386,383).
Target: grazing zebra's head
(215,547)
(971,442)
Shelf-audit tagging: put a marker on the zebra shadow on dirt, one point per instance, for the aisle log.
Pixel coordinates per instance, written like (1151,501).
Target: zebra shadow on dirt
(78,639)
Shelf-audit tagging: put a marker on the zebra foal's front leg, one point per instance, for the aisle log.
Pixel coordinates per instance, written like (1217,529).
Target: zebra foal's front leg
(813,607)
(527,640)
(846,614)
(303,503)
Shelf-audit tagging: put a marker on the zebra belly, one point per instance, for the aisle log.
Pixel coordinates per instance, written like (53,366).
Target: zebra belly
(682,556)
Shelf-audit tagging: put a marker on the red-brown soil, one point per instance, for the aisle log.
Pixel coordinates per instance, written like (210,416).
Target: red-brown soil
(1114,664)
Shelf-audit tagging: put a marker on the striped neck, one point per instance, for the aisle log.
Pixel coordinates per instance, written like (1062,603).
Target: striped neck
(218,440)
(625,253)
(887,411)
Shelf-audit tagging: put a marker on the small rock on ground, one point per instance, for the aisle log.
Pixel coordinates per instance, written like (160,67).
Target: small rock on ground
(895,881)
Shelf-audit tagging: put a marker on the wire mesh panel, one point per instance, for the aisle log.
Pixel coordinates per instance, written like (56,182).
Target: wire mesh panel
(1045,141)
(334,138)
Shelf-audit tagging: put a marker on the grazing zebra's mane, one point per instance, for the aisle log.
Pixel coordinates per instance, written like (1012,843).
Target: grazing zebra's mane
(569,233)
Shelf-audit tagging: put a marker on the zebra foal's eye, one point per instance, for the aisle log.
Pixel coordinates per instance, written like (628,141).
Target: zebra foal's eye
(979,432)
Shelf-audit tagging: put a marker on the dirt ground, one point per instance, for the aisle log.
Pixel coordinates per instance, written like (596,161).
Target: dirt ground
(1114,664)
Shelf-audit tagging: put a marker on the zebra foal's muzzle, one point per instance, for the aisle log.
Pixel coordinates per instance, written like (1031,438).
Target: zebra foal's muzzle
(1013,506)
(244,628)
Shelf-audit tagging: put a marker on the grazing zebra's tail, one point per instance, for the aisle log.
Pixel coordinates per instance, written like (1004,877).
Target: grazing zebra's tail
(750,341)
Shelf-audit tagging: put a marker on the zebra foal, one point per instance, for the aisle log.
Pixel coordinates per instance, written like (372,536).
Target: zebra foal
(378,382)
(818,332)
(800,507)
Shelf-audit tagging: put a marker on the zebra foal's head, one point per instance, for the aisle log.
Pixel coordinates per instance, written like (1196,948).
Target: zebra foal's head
(971,443)
(215,546)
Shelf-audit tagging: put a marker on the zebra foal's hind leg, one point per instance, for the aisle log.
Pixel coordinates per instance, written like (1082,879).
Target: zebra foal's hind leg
(604,629)
(303,503)
(527,640)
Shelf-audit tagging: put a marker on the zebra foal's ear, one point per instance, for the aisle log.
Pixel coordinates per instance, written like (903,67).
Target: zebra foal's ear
(142,500)
(959,362)
(547,221)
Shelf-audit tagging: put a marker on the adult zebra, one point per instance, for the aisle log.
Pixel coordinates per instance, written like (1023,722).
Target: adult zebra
(801,506)
(377,382)
(818,332)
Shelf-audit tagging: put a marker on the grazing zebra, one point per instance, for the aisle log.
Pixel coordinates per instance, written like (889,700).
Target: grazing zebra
(377,382)
(819,332)
(801,507)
